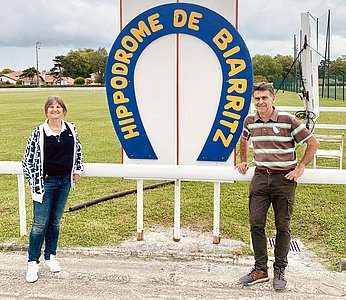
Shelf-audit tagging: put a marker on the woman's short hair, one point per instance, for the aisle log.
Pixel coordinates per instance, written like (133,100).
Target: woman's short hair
(51,100)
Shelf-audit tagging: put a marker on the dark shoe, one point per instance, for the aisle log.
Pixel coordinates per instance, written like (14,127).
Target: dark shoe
(279,282)
(255,276)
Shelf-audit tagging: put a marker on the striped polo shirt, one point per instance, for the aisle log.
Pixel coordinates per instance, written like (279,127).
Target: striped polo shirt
(274,141)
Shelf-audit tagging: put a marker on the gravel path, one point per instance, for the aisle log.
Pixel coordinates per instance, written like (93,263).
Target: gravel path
(159,268)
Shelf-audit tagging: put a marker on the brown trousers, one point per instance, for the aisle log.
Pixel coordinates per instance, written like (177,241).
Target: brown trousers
(266,189)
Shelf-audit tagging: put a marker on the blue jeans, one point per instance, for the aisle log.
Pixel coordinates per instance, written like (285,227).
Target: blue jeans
(47,217)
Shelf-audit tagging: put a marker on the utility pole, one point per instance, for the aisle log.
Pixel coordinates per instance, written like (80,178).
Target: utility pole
(38,46)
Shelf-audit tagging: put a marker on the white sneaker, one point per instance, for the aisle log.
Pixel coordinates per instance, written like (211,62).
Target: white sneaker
(52,264)
(32,276)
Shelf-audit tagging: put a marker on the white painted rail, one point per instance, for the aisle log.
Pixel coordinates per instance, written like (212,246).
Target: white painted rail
(214,174)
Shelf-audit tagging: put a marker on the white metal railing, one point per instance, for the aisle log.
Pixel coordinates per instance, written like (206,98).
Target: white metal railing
(214,174)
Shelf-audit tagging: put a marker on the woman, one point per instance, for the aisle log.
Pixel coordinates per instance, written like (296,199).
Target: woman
(52,164)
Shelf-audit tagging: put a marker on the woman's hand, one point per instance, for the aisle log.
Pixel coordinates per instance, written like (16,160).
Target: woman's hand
(76,178)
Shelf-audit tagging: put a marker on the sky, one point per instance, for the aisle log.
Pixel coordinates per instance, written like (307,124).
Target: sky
(57,27)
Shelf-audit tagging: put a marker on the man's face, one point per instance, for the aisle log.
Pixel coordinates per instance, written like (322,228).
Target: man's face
(263,101)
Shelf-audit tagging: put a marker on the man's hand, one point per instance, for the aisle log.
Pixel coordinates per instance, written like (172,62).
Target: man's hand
(311,148)
(242,167)
(296,173)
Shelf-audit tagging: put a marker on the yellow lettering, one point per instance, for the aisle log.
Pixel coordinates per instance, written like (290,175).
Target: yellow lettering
(180,18)
(118,82)
(118,97)
(122,56)
(154,23)
(235,102)
(236,66)
(119,68)
(231,125)
(219,135)
(237,85)
(126,121)
(129,43)
(222,39)
(131,133)
(231,115)
(122,112)
(193,20)
(232,51)
(142,31)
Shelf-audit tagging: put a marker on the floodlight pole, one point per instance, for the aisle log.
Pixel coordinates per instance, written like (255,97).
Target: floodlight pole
(38,46)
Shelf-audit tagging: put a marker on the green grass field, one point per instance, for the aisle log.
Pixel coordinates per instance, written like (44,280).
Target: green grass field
(319,217)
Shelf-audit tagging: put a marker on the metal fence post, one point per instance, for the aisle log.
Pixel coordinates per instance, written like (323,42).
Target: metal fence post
(343,87)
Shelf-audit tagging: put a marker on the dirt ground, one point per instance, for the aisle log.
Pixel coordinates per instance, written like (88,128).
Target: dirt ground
(159,268)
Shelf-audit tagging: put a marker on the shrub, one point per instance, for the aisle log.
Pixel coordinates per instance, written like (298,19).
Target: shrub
(79,81)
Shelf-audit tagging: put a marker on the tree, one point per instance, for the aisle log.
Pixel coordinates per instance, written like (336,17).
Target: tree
(323,68)
(6,71)
(29,73)
(259,78)
(285,61)
(57,70)
(82,63)
(99,61)
(76,63)
(266,66)
(338,66)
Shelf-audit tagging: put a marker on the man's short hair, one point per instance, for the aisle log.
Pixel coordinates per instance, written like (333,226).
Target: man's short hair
(263,86)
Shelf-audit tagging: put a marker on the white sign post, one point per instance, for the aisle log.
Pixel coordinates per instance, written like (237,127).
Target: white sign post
(179,81)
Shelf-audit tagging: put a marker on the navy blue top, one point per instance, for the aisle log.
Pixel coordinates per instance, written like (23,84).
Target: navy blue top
(58,153)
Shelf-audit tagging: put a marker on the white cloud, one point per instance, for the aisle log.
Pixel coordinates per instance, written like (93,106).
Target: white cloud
(59,26)
(338,44)
(58,23)
(267,27)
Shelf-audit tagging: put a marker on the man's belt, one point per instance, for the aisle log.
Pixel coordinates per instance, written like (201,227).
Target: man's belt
(271,171)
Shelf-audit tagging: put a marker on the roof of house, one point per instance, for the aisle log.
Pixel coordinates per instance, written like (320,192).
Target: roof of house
(13,75)
(6,76)
(45,77)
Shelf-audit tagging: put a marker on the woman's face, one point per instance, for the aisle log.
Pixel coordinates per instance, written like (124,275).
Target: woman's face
(55,112)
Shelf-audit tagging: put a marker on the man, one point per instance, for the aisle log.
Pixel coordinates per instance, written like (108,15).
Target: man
(273,135)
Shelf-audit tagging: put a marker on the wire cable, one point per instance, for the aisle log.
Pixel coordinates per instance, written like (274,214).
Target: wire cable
(306,115)
(309,117)
(313,49)
(294,62)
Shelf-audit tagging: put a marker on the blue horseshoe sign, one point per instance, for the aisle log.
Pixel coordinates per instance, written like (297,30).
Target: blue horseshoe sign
(226,43)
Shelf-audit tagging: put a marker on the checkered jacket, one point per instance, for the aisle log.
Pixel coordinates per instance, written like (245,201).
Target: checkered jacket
(33,161)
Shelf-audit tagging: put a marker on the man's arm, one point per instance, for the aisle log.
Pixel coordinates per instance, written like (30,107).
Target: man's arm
(243,166)
(311,148)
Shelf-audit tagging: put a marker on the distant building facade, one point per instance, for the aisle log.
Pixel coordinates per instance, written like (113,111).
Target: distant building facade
(45,78)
